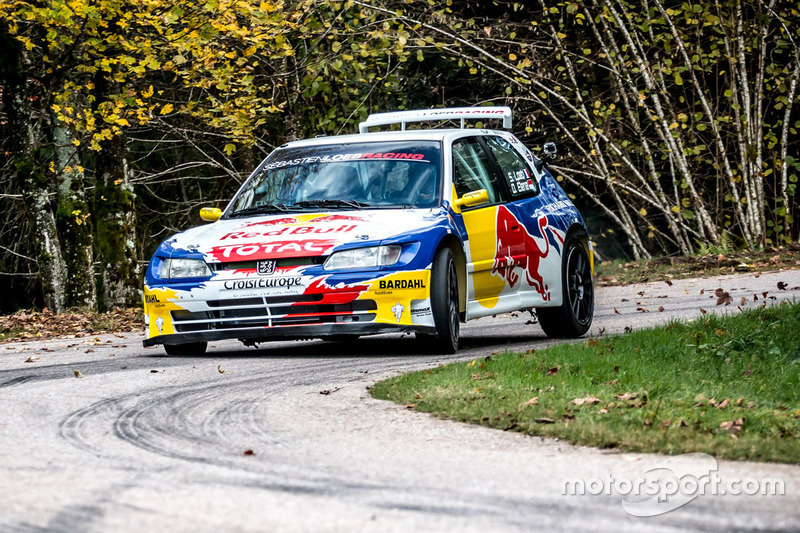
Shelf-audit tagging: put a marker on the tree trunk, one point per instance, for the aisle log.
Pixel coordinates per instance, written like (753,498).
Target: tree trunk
(74,224)
(30,171)
(116,218)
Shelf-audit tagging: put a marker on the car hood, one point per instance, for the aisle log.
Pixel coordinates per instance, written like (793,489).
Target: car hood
(295,235)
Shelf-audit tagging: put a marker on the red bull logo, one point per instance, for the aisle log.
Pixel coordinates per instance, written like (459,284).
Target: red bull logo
(517,247)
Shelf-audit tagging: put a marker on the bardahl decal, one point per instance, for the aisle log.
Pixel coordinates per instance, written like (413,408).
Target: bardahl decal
(401,284)
(151,299)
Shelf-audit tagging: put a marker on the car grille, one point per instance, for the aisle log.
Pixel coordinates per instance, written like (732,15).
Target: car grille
(274,311)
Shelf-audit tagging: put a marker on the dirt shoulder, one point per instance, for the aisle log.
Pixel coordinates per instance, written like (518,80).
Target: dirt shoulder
(613,273)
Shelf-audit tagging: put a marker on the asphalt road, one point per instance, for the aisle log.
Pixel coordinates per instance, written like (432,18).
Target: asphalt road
(148,442)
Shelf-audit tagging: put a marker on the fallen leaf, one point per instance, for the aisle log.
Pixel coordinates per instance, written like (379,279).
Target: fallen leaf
(723,297)
(553,371)
(325,392)
(723,404)
(744,301)
(616,312)
(661,309)
(78,374)
(733,427)
(668,282)
(592,343)
(757,274)
(602,411)
(627,396)
(544,421)
(702,291)
(155,371)
(703,311)
(220,369)
(31,359)
(588,400)
(532,401)
(643,309)
(640,293)
(782,286)
(248,452)
(410,405)
(665,424)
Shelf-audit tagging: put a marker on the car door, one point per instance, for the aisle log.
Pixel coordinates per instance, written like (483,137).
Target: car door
(490,241)
(538,251)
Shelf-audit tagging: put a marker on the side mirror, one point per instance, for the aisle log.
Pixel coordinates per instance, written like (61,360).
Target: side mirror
(210,214)
(549,153)
(472,198)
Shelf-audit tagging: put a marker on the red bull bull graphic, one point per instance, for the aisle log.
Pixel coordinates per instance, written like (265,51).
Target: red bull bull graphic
(518,248)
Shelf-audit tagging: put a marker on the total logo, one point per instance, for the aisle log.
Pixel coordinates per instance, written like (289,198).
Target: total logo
(287,249)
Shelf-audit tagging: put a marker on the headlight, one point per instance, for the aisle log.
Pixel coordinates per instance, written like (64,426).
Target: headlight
(372,257)
(184,268)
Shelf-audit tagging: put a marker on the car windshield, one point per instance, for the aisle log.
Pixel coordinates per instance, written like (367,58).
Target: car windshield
(344,176)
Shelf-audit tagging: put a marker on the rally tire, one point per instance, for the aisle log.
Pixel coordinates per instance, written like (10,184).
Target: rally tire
(189,348)
(573,317)
(444,304)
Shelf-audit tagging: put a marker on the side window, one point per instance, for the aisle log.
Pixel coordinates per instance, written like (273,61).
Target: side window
(472,169)
(521,180)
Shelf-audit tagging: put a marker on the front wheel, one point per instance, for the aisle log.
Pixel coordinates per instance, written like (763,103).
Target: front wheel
(574,317)
(189,348)
(444,304)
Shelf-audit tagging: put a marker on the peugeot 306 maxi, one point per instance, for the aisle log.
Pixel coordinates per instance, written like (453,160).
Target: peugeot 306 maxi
(379,232)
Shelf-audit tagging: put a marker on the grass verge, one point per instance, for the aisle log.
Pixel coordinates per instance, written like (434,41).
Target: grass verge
(726,386)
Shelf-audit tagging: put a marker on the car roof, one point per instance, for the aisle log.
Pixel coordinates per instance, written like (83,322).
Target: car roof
(403,118)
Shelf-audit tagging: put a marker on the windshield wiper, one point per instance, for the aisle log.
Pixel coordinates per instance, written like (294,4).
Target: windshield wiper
(258,209)
(335,202)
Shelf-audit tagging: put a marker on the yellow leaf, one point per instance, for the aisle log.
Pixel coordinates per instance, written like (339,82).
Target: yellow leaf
(673,125)
(643,212)
(76,142)
(561,35)
(512,57)
(147,93)
(166,109)
(675,209)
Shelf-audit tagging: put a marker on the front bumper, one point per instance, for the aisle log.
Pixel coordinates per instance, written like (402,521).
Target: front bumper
(285,333)
(309,307)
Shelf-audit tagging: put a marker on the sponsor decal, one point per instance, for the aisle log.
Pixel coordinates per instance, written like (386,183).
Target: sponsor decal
(151,299)
(421,311)
(346,157)
(398,309)
(297,230)
(266,267)
(401,284)
(518,243)
(262,283)
(281,248)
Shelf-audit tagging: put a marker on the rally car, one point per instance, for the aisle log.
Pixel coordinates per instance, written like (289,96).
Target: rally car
(415,230)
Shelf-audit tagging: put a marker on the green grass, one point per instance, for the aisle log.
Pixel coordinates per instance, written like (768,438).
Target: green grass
(726,386)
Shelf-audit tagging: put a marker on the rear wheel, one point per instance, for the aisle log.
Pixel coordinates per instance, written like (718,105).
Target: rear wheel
(189,348)
(444,304)
(574,317)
